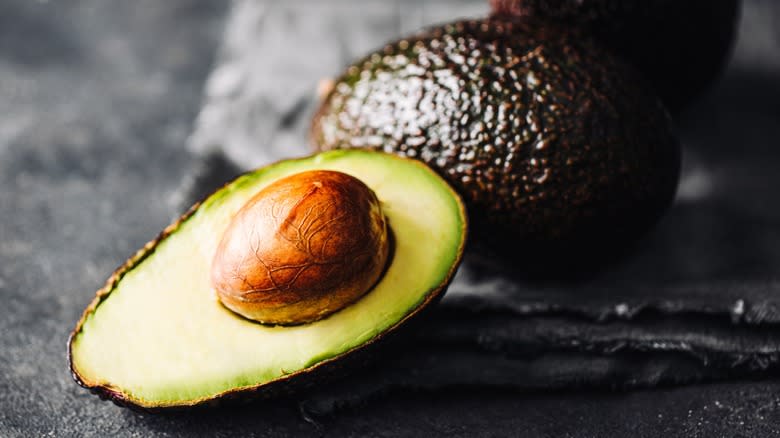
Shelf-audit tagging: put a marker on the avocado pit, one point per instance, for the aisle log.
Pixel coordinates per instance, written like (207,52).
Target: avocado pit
(301,249)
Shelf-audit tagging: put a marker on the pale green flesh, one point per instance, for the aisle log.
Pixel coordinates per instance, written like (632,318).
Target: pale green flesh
(161,337)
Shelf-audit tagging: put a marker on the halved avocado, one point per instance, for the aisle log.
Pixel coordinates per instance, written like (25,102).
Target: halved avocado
(156,335)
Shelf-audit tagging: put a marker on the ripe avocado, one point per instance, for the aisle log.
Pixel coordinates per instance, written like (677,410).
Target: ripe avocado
(681,46)
(156,335)
(558,147)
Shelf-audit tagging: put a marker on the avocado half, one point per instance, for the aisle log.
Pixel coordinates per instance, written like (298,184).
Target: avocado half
(156,336)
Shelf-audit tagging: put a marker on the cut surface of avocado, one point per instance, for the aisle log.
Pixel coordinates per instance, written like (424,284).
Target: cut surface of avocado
(157,336)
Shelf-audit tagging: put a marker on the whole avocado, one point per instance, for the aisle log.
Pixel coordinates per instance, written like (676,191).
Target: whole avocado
(681,46)
(558,148)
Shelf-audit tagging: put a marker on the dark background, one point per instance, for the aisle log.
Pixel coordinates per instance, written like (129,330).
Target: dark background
(115,116)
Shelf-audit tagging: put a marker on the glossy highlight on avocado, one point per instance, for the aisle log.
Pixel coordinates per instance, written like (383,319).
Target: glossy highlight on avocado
(156,336)
(557,146)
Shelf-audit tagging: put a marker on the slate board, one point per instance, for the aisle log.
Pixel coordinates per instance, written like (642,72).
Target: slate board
(98,151)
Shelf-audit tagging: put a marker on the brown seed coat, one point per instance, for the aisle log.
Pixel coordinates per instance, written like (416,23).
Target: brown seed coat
(301,249)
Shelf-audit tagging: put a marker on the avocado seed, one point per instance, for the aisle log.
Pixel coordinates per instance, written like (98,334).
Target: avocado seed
(302,248)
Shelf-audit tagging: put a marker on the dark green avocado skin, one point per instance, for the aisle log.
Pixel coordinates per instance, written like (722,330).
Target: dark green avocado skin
(680,45)
(558,148)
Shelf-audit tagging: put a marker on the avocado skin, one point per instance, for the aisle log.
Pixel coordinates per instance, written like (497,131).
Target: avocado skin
(681,46)
(293,383)
(559,149)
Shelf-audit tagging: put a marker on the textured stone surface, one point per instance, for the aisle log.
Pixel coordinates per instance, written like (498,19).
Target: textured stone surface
(97,101)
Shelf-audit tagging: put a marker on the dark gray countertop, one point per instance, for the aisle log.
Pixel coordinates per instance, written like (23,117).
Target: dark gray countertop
(105,138)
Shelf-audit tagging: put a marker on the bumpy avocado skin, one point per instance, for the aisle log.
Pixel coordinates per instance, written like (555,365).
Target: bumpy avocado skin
(558,148)
(681,46)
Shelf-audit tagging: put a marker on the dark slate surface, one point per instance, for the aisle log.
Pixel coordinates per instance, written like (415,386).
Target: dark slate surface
(98,100)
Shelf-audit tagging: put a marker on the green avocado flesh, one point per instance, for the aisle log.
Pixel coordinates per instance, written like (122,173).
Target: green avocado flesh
(158,337)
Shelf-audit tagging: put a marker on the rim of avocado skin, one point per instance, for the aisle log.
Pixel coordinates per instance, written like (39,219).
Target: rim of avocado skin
(287,382)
